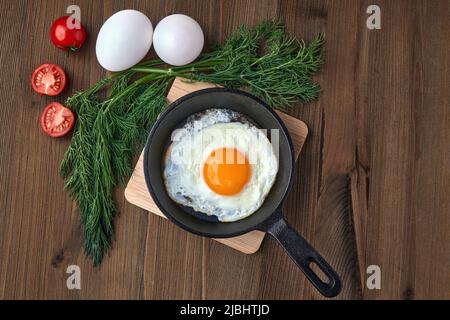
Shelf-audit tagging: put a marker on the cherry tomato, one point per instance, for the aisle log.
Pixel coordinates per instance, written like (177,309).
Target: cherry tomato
(48,79)
(65,38)
(57,120)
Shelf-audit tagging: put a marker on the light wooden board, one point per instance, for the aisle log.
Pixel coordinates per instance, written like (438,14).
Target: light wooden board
(137,193)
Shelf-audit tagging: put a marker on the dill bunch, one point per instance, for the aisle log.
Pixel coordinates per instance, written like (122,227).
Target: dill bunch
(281,75)
(109,131)
(101,152)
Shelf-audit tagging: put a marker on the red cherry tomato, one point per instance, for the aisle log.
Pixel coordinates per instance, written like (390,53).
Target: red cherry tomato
(48,79)
(65,38)
(57,120)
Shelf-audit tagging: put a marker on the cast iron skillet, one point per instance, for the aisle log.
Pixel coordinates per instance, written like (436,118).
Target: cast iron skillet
(268,217)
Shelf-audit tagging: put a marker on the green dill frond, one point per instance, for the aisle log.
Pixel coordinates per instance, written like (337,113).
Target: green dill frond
(281,75)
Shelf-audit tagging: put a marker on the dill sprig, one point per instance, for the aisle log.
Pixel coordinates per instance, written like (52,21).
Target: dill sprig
(281,76)
(109,131)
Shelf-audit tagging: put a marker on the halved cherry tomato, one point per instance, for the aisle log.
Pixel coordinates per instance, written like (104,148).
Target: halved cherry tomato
(65,38)
(49,79)
(57,120)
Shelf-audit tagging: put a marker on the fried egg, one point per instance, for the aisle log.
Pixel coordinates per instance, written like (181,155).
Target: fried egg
(220,164)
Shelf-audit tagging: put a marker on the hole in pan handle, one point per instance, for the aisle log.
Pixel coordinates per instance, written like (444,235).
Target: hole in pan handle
(304,255)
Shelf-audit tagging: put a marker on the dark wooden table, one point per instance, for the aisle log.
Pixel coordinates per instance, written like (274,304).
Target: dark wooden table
(372,184)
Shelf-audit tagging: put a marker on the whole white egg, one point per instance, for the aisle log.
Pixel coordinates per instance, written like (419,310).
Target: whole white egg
(178,39)
(124,40)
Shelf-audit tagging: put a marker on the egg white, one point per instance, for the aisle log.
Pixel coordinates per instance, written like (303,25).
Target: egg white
(191,146)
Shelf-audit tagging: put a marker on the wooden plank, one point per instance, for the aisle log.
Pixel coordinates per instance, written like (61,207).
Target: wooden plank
(334,231)
(137,193)
(372,182)
(431,183)
(405,115)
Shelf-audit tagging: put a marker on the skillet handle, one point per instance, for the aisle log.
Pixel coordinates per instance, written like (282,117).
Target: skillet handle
(304,255)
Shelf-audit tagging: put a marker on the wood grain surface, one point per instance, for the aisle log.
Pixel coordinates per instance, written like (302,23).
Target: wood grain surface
(136,191)
(372,185)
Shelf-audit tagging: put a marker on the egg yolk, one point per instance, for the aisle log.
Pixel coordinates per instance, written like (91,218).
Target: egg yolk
(226,171)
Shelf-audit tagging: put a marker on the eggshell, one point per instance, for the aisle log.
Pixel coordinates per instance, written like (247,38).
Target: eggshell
(124,40)
(178,39)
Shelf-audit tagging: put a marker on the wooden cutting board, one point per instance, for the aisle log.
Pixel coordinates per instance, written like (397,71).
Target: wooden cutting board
(136,191)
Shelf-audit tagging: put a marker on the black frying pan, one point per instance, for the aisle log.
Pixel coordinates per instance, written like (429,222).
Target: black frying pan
(268,217)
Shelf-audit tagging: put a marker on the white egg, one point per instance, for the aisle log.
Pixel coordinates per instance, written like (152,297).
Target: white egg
(185,176)
(124,40)
(178,39)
